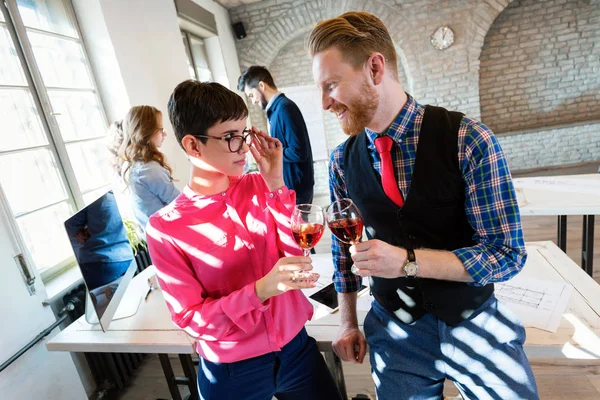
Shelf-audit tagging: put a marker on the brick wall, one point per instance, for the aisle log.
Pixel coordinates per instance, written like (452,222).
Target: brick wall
(560,145)
(276,31)
(540,65)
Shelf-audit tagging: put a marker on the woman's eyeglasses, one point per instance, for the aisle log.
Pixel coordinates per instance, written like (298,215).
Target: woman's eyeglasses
(234,142)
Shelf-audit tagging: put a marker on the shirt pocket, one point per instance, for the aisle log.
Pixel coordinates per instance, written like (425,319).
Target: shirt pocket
(208,257)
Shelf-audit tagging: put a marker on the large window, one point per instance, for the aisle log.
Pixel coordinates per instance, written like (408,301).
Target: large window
(53,151)
(195,50)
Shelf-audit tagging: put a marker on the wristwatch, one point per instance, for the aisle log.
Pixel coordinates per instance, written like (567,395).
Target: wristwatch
(411,268)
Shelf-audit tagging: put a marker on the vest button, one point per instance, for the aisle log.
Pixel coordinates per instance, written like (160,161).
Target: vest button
(430,305)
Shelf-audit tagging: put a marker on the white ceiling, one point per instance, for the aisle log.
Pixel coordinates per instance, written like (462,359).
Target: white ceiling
(235,3)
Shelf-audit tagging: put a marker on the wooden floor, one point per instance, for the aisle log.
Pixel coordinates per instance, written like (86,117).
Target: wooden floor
(554,381)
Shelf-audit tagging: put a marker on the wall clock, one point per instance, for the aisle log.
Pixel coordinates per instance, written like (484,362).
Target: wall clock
(442,38)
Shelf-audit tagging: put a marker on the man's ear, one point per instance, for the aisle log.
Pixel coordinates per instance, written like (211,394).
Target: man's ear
(192,146)
(261,86)
(376,66)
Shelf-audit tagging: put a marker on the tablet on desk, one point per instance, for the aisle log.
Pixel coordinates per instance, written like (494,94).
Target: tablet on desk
(328,296)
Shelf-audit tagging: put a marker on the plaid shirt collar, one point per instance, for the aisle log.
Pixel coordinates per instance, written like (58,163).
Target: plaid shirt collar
(403,123)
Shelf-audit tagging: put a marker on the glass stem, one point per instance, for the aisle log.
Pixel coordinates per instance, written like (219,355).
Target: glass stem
(306,252)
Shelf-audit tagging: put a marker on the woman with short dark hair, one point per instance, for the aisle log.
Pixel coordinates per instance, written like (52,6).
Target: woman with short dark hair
(227,263)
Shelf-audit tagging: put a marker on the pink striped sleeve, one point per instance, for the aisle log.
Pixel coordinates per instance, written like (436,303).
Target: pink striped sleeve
(225,318)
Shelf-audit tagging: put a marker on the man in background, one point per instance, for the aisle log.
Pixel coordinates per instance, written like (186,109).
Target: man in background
(286,124)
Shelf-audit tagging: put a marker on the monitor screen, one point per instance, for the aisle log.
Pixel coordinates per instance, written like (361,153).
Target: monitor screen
(104,255)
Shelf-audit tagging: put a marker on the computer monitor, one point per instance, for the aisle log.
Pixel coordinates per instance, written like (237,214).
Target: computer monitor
(105,258)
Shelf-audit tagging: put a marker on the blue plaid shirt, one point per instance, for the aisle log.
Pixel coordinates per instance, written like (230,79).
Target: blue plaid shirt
(491,202)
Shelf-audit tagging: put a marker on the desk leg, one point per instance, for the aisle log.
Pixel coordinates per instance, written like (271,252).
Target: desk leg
(562,232)
(190,373)
(170,376)
(335,366)
(587,246)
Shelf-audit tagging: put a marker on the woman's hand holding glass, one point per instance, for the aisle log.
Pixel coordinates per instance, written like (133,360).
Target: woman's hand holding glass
(284,277)
(268,153)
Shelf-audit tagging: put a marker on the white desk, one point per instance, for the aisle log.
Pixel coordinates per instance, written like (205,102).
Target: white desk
(562,196)
(151,330)
(577,339)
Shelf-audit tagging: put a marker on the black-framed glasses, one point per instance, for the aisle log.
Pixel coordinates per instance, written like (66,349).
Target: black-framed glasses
(234,142)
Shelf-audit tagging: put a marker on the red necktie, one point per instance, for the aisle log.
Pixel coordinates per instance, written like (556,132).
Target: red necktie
(388,180)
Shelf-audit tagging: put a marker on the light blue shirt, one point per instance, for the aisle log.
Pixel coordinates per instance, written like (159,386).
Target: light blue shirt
(151,189)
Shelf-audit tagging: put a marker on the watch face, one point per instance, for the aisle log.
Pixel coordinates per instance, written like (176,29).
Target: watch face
(442,38)
(411,269)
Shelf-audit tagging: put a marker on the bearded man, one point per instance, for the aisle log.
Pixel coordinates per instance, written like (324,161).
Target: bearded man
(441,215)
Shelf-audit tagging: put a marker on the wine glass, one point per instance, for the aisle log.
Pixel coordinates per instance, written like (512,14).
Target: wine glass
(345,222)
(307,227)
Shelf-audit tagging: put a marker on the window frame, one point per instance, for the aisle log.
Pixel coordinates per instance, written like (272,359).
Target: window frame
(56,145)
(187,35)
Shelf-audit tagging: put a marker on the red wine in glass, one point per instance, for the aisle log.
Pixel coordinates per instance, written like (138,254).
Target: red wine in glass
(347,230)
(345,222)
(308,235)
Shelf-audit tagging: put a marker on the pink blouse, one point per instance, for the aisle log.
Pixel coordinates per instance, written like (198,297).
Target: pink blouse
(209,251)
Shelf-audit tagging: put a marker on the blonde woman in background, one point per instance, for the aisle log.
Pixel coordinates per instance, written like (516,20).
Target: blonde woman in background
(145,170)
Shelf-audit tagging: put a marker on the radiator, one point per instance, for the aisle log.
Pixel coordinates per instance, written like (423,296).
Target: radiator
(111,371)
(142,258)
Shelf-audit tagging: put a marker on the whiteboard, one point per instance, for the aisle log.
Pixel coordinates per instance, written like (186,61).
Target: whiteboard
(308,100)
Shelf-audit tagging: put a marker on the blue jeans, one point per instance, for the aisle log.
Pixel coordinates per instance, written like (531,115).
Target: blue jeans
(483,355)
(297,372)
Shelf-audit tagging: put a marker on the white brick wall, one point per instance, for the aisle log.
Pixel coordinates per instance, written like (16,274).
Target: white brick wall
(561,145)
(540,65)
(277,29)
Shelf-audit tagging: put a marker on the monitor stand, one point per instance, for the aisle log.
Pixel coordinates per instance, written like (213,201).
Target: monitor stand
(127,308)
(125,299)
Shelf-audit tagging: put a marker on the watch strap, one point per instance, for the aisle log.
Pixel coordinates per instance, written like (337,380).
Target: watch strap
(410,255)
(410,258)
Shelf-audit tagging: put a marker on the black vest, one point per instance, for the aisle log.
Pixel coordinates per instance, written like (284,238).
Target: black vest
(433,217)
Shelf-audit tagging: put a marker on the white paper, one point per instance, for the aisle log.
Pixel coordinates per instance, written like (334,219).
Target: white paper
(538,303)
(559,184)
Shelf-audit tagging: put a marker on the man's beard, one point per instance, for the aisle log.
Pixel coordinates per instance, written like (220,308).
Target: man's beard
(263,102)
(360,112)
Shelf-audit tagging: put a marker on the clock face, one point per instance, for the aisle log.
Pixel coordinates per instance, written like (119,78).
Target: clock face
(442,38)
